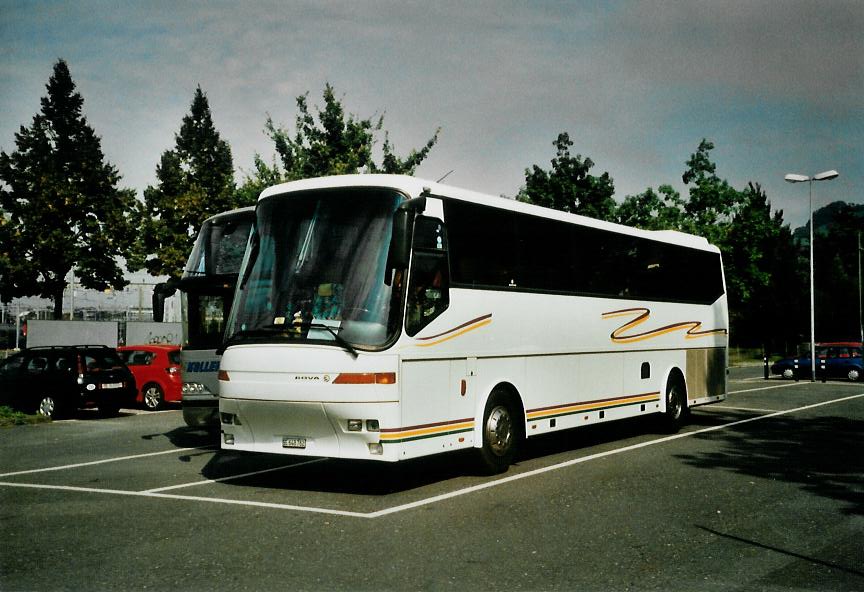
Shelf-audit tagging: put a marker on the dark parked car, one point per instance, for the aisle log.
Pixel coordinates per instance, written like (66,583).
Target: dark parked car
(157,372)
(55,381)
(840,360)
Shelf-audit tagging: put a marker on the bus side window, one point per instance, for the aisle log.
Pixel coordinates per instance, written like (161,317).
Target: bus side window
(428,288)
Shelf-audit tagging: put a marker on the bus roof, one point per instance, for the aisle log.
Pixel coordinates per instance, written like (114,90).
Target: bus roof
(247,210)
(414,187)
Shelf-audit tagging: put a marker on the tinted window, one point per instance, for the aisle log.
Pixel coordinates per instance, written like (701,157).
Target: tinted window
(97,360)
(12,365)
(500,249)
(137,357)
(37,364)
(428,294)
(65,362)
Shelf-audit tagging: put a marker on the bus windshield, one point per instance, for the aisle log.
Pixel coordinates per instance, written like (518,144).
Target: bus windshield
(219,247)
(210,277)
(316,270)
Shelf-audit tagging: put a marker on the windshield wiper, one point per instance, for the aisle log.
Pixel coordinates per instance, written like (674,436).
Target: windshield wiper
(341,341)
(287,331)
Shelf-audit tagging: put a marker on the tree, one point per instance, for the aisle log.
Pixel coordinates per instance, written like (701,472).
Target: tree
(568,186)
(337,144)
(650,210)
(61,203)
(195,181)
(253,184)
(836,270)
(764,278)
(712,201)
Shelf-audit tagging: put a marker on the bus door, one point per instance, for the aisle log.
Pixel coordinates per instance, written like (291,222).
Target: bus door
(436,385)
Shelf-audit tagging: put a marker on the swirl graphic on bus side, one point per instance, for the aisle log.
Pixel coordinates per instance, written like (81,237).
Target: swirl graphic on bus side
(620,335)
(455,331)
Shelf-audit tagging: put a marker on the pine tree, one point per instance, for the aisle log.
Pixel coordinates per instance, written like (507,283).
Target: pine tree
(195,181)
(61,200)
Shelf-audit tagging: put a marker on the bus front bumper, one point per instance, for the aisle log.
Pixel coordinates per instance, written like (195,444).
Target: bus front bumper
(341,430)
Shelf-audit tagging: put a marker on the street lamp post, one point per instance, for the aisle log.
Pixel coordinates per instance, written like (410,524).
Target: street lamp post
(793,178)
(860,314)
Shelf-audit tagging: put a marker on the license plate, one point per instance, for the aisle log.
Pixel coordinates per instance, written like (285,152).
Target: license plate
(112,385)
(293,442)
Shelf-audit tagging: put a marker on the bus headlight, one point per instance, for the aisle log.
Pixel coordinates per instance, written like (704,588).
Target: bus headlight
(376,448)
(195,388)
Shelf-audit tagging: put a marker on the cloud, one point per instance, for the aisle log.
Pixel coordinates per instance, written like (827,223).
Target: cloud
(637,85)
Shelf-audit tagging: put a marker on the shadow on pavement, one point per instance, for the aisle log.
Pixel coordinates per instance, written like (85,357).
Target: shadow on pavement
(824,455)
(376,478)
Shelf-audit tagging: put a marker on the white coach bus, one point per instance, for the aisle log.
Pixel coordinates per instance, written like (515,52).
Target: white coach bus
(387,317)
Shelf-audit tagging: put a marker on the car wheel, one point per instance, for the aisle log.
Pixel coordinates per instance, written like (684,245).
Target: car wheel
(153,397)
(47,407)
(676,406)
(501,434)
(854,374)
(788,373)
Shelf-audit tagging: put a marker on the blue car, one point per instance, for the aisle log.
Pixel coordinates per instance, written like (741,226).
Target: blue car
(843,360)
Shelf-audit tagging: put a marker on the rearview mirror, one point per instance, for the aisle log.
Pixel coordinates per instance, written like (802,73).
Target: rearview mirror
(160,293)
(403,231)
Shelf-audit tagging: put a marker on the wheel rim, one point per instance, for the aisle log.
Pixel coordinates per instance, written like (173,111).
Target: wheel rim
(853,374)
(788,374)
(46,407)
(674,405)
(152,397)
(499,431)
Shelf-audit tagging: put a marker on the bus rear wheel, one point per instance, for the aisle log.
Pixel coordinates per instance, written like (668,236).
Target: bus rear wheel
(501,434)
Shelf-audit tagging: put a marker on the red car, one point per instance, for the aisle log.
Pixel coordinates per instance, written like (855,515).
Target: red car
(157,373)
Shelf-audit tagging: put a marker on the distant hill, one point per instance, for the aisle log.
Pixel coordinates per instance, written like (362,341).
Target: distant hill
(824,217)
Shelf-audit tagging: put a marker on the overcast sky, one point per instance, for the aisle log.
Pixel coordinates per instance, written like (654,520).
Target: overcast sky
(776,85)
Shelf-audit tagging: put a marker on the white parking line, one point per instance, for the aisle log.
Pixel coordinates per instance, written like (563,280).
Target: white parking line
(427,501)
(233,477)
(763,388)
(741,408)
(104,460)
(188,498)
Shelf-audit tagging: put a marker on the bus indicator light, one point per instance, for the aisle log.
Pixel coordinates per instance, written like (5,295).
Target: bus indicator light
(366,378)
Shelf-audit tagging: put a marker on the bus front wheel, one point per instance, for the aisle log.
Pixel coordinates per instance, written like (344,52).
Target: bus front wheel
(501,434)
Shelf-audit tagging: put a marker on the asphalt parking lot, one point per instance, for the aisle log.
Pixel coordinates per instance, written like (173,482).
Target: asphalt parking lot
(762,492)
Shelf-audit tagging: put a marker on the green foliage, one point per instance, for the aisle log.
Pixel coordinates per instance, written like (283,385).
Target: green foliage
(835,249)
(61,203)
(764,278)
(195,180)
(568,186)
(337,144)
(253,184)
(10,417)
(712,201)
(650,210)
